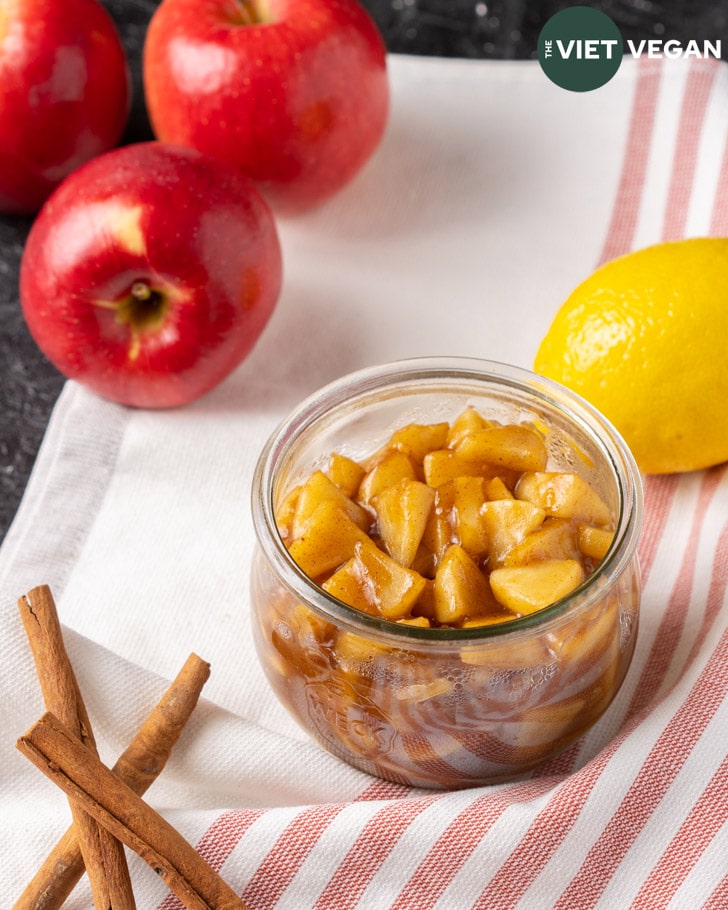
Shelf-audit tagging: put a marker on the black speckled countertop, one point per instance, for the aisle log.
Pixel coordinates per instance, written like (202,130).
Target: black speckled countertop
(492,29)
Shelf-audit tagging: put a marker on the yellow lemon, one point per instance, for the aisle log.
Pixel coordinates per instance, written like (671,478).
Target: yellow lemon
(645,340)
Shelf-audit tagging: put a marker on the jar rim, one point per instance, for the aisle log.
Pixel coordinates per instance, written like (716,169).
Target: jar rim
(363,382)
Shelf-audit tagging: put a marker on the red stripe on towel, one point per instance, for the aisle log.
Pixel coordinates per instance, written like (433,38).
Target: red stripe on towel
(287,856)
(702,823)
(370,850)
(218,842)
(719,218)
(625,214)
(652,782)
(455,845)
(673,619)
(692,114)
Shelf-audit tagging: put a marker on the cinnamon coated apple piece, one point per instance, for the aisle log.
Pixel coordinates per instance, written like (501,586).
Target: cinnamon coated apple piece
(355,653)
(442,465)
(554,539)
(461,501)
(437,536)
(526,589)
(505,655)
(590,639)
(496,489)
(389,468)
(346,585)
(346,473)
(539,726)
(417,692)
(467,422)
(286,512)
(382,585)
(416,439)
(317,489)
(327,540)
(593,542)
(402,513)
(511,448)
(505,523)
(563,494)
(461,590)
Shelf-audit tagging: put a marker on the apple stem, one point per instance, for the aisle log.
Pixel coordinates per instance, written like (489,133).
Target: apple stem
(141,291)
(248,12)
(143,308)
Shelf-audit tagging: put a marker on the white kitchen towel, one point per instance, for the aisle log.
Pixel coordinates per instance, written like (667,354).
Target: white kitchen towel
(493,194)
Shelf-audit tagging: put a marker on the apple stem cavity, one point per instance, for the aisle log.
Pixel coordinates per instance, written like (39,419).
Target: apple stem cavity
(249,12)
(143,308)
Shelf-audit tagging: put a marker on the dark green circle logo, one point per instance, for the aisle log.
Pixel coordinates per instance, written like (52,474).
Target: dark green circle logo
(580,48)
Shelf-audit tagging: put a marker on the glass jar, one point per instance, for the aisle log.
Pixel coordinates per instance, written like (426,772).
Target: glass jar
(444,707)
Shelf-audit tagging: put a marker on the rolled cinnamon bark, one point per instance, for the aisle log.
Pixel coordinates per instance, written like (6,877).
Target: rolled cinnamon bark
(80,774)
(138,766)
(103,855)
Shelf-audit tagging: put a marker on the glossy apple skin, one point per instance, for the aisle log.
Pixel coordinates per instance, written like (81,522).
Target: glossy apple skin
(64,94)
(190,228)
(298,102)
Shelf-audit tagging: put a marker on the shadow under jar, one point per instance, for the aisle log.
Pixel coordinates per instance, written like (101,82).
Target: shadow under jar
(445,707)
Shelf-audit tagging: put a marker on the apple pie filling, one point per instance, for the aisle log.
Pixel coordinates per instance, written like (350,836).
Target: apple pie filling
(449,524)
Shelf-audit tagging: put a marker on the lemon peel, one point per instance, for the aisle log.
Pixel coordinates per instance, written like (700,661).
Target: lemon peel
(645,340)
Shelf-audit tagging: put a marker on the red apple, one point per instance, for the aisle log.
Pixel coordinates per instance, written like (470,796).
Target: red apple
(150,272)
(64,94)
(293,92)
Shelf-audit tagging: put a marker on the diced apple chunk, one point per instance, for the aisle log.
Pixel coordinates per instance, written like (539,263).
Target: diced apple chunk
(317,489)
(437,536)
(594,543)
(286,512)
(563,494)
(422,691)
(555,539)
(345,585)
(526,589)
(307,625)
(443,465)
(513,448)
(391,588)
(419,622)
(416,440)
(588,638)
(477,622)
(461,499)
(389,469)
(505,523)
(461,590)
(327,540)
(425,562)
(402,512)
(530,652)
(468,421)
(346,473)
(496,489)
(425,605)
(545,724)
(354,652)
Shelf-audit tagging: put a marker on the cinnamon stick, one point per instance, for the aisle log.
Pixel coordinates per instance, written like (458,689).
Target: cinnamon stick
(103,855)
(138,766)
(77,771)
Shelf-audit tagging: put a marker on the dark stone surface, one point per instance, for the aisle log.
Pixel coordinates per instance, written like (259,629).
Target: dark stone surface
(509,29)
(495,29)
